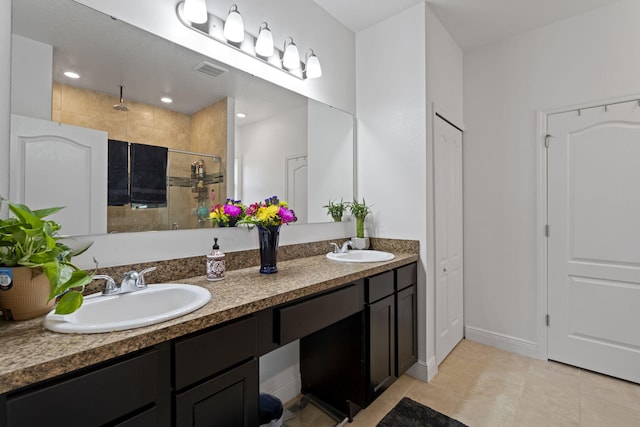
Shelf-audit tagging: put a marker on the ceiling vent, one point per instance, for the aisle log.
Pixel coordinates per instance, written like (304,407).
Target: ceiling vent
(209,69)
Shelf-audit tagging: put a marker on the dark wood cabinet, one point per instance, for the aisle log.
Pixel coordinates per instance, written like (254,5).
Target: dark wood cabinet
(229,399)
(406,318)
(129,391)
(406,327)
(207,378)
(348,364)
(380,334)
(216,376)
(355,340)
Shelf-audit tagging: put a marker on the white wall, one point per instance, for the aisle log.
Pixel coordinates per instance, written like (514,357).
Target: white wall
(5,98)
(391,129)
(422,66)
(331,159)
(587,58)
(31,83)
(264,147)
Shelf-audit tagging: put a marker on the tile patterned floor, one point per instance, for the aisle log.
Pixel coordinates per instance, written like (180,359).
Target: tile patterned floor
(484,386)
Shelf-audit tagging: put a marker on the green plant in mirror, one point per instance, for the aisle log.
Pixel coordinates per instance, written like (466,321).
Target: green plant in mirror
(28,240)
(336,210)
(359,211)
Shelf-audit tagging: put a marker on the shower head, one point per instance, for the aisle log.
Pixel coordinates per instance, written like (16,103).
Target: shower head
(120,106)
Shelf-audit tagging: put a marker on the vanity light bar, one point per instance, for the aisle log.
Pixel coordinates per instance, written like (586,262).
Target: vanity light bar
(255,46)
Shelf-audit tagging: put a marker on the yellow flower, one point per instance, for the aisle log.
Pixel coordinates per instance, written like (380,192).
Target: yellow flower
(267,213)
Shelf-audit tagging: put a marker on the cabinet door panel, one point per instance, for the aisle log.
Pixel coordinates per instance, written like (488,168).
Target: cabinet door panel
(382,363)
(109,398)
(406,324)
(150,417)
(229,400)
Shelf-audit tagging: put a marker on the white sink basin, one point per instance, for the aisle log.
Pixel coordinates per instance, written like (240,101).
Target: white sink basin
(155,304)
(361,256)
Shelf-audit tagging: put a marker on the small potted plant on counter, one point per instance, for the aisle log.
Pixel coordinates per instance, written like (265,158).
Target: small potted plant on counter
(35,265)
(336,210)
(359,211)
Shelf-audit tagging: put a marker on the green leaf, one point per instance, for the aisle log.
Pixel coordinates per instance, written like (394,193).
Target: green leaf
(70,302)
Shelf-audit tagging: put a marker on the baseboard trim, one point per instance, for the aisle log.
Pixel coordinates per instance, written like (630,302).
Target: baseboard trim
(424,371)
(502,341)
(285,385)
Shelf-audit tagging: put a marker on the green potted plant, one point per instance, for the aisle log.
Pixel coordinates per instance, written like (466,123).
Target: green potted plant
(35,265)
(336,210)
(360,210)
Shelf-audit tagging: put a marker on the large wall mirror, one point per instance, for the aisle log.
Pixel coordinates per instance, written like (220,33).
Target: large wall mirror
(284,144)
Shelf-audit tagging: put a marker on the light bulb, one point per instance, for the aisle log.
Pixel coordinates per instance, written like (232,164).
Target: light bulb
(233,26)
(313,69)
(264,43)
(196,11)
(291,57)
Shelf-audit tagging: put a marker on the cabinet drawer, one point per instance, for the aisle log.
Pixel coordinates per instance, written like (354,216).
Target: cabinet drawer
(406,276)
(111,392)
(205,354)
(301,319)
(378,286)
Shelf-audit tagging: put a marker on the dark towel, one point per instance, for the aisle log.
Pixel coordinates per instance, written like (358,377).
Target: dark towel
(118,173)
(148,174)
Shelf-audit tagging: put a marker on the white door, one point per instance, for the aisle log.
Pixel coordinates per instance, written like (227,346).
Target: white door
(296,191)
(53,164)
(594,242)
(448,236)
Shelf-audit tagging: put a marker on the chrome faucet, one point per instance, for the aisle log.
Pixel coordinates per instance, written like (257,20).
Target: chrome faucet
(132,281)
(345,247)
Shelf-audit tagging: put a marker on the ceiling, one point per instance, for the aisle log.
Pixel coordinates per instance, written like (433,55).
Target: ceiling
(471,23)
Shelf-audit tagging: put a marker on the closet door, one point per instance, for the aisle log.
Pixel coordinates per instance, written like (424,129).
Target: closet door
(448,236)
(53,164)
(594,239)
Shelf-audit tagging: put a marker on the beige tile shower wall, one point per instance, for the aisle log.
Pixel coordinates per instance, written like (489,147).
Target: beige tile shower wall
(209,135)
(143,124)
(204,131)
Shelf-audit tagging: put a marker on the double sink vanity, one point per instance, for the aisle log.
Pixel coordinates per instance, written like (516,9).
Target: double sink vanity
(356,322)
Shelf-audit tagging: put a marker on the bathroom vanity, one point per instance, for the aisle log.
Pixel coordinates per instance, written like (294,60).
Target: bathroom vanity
(356,324)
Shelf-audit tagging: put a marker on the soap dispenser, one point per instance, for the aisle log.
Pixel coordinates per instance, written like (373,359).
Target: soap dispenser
(215,263)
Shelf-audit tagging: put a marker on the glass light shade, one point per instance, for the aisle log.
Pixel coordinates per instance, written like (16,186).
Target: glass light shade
(291,57)
(264,43)
(313,67)
(196,11)
(233,26)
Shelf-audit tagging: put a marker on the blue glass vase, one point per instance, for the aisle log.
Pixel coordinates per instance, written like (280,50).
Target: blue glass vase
(268,238)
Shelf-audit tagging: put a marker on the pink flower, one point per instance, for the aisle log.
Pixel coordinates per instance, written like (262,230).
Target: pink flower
(232,210)
(287,215)
(252,209)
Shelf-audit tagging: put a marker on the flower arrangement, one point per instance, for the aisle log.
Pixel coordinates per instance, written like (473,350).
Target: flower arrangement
(228,214)
(271,212)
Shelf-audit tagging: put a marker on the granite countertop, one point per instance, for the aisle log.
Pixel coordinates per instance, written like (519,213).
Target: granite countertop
(29,353)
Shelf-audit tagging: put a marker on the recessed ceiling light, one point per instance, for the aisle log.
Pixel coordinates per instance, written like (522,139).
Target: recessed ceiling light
(72,75)
(241,115)
(166,100)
